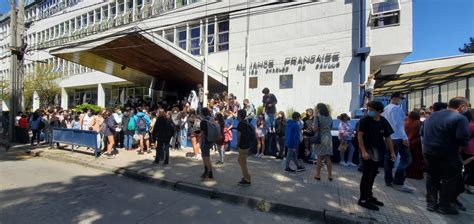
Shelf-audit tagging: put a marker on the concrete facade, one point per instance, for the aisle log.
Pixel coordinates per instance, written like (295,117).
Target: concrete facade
(291,45)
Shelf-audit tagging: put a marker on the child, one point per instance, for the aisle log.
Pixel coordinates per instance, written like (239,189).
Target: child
(75,123)
(260,131)
(292,142)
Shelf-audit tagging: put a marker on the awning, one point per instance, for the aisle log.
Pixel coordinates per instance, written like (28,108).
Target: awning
(141,57)
(418,75)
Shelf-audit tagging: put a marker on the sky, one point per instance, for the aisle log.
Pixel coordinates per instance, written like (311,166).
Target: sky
(440,27)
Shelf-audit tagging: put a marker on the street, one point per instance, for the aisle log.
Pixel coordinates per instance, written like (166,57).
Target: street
(37,190)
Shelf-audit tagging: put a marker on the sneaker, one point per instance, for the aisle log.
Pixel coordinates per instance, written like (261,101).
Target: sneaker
(343,163)
(368,205)
(432,207)
(459,206)
(403,188)
(204,175)
(300,169)
(289,170)
(244,183)
(375,201)
(140,153)
(351,164)
(219,163)
(448,210)
(260,155)
(110,156)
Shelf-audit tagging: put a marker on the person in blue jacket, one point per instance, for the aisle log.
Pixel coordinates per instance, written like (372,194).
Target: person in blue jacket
(143,123)
(292,142)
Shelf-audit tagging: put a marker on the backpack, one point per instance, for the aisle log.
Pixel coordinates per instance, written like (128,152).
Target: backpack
(131,124)
(214,133)
(141,123)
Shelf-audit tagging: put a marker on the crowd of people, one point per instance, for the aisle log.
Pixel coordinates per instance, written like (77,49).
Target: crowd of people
(438,140)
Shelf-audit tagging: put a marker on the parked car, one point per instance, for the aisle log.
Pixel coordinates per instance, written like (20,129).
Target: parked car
(336,142)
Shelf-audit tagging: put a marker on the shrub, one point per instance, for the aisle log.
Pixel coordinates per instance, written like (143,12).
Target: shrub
(259,110)
(83,107)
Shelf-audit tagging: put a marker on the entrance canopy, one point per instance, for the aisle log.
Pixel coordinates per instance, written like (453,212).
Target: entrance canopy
(141,57)
(418,75)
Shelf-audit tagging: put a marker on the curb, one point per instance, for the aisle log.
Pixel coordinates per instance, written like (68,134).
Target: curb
(327,216)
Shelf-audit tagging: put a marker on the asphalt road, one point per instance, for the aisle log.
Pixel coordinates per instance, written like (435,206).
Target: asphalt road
(37,190)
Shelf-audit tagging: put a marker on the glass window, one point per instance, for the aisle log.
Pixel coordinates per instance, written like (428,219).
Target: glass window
(286,81)
(210,37)
(73,25)
(79,21)
(91,17)
(61,28)
(383,20)
(84,20)
(105,10)
(169,35)
(98,16)
(195,40)
(120,6)
(182,38)
(223,29)
(139,2)
(384,6)
(130,4)
(113,10)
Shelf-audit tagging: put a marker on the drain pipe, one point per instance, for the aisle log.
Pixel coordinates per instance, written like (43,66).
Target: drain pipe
(363,51)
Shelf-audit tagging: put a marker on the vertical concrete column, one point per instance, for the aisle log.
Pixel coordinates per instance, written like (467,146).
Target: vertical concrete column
(216,37)
(134,9)
(202,35)
(175,33)
(36,101)
(64,98)
(188,37)
(100,95)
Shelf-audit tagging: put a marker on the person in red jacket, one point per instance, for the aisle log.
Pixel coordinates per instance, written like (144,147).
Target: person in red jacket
(23,125)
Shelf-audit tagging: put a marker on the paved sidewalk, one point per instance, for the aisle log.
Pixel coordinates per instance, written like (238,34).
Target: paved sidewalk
(272,183)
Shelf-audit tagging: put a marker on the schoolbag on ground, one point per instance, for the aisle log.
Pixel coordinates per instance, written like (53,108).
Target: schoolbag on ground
(131,124)
(214,133)
(141,123)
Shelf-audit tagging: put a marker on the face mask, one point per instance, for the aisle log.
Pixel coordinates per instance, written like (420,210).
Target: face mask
(120,112)
(89,114)
(371,113)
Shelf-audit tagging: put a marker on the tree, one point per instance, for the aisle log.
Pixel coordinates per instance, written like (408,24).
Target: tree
(469,47)
(4,89)
(44,80)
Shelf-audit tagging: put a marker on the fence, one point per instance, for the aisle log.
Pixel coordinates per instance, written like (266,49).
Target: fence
(75,137)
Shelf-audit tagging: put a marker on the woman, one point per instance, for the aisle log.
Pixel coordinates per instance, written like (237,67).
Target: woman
(183,130)
(412,128)
(23,124)
(35,126)
(94,125)
(346,133)
(322,126)
(308,133)
(162,133)
(194,132)
(127,133)
(108,129)
(467,154)
(280,126)
(229,125)
(53,123)
(221,146)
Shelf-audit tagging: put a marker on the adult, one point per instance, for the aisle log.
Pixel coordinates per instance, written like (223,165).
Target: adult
(142,122)
(369,86)
(467,154)
(109,130)
(292,141)
(269,101)
(118,133)
(412,128)
(396,117)
(280,127)
(200,95)
(85,119)
(94,125)
(444,132)
(322,125)
(128,132)
(17,126)
(177,124)
(193,100)
(183,130)
(346,134)
(308,133)
(194,130)
(221,145)
(206,145)
(244,138)
(374,136)
(163,132)
(35,126)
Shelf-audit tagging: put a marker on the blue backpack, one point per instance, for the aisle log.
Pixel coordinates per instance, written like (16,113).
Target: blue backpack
(141,123)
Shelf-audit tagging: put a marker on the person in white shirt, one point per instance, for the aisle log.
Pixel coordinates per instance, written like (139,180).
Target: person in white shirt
(118,130)
(84,119)
(369,87)
(396,117)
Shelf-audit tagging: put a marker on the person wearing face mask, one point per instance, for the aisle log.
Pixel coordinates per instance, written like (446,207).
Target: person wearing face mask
(118,135)
(396,117)
(444,132)
(374,137)
(85,119)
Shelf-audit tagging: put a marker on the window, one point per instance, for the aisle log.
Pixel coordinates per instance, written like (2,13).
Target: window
(105,11)
(325,78)
(253,82)
(378,21)
(78,20)
(384,6)
(91,17)
(120,6)
(73,25)
(195,40)
(210,37)
(286,81)
(223,35)
(169,35)
(98,16)
(84,20)
(113,10)
(61,28)
(182,38)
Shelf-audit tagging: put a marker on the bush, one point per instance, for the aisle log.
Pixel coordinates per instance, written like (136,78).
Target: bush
(259,110)
(289,112)
(83,107)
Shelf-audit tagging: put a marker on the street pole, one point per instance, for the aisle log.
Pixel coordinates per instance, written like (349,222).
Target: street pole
(246,74)
(21,39)
(13,70)
(206,75)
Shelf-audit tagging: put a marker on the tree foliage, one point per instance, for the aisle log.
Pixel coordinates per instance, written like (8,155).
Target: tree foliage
(469,47)
(4,89)
(44,80)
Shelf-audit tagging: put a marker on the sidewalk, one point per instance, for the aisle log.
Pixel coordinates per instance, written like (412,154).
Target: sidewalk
(298,194)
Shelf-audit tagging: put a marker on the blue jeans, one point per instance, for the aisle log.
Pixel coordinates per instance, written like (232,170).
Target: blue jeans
(183,137)
(128,140)
(292,155)
(350,149)
(269,121)
(405,161)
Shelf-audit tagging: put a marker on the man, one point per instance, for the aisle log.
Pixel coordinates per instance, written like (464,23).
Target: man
(308,133)
(244,138)
(373,136)
(444,132)
(206,145)
(143,123)
(396,117)
(269,104)
(118,136)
